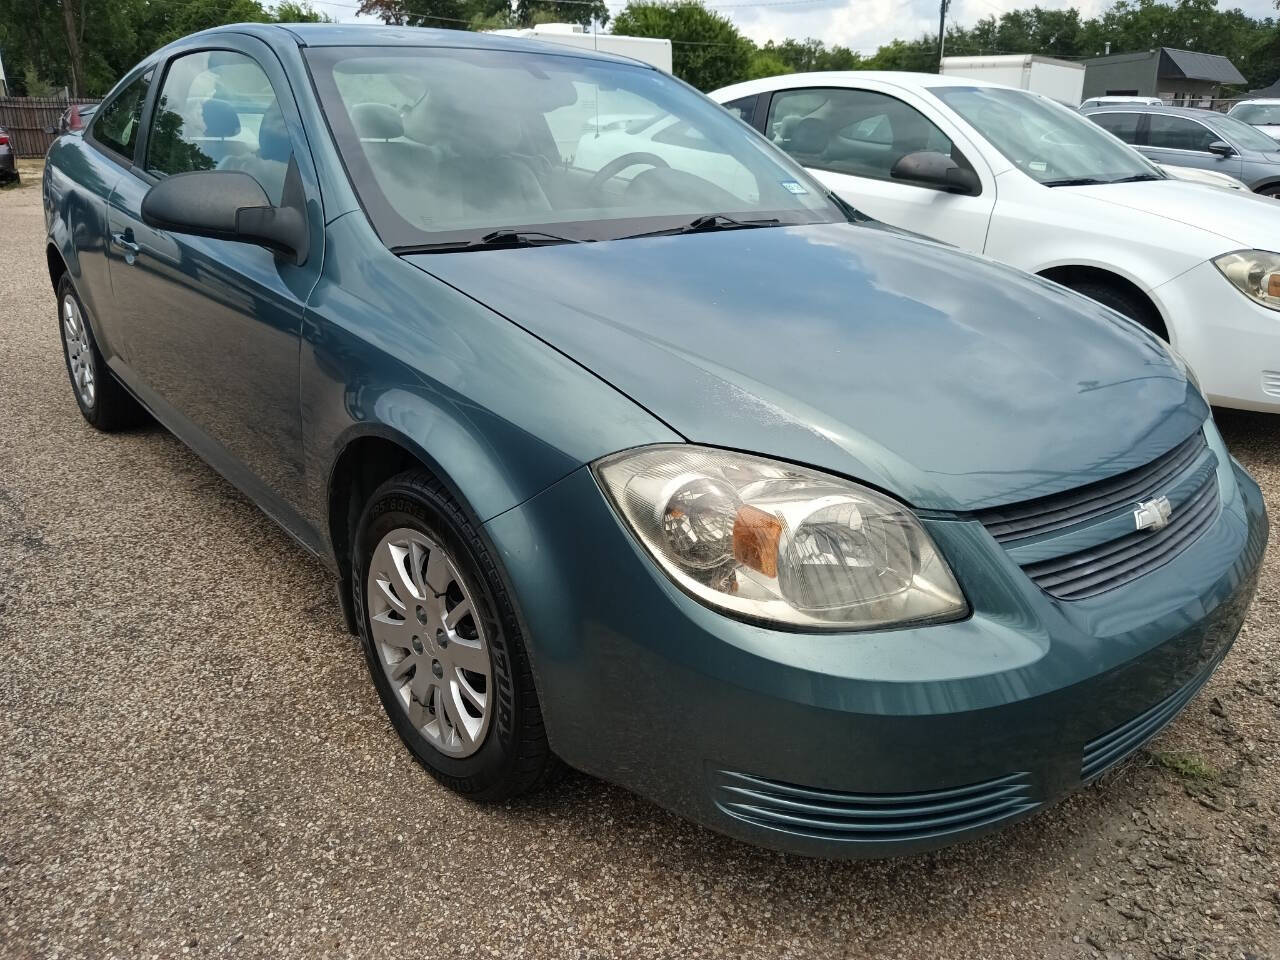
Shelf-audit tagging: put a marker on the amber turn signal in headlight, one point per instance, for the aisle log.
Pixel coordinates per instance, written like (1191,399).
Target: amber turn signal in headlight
(774,542)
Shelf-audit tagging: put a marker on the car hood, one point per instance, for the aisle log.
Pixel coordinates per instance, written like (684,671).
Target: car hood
(950,381)
(1241,219)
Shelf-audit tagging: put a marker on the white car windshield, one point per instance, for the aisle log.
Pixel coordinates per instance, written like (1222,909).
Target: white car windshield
(447,146)
(1049,143)
(1259,114)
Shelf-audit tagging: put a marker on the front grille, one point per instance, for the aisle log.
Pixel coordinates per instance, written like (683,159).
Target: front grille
(1032,518)
(1087,573)
(1104,752)
(870,817)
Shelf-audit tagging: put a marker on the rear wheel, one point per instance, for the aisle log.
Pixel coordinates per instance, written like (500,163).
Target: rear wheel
(443,643)
(102,400)
(1122,301)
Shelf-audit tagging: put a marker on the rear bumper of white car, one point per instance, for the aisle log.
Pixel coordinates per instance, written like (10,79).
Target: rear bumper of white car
(1232,343)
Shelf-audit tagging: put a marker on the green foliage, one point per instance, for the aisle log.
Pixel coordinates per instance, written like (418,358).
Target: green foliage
(1189,766)
(707,49)
(806,56)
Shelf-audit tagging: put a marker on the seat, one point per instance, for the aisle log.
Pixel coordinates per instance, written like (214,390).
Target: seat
(270,162)
(477,133)
(221,123)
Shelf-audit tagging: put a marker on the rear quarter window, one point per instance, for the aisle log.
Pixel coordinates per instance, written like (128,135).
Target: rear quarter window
(116,125)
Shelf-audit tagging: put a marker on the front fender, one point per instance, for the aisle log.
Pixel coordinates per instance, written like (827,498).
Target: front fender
(498,415)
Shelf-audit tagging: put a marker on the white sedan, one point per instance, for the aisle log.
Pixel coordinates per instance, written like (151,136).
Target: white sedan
(1015,176)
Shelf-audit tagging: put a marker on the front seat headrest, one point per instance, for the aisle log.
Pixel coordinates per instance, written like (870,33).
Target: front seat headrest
(220,119)
(376,121)
(809,136)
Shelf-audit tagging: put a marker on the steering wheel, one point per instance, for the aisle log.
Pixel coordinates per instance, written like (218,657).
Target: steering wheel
(618,164)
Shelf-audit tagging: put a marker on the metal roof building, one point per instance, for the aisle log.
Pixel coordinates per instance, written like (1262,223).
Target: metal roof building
(1173,75)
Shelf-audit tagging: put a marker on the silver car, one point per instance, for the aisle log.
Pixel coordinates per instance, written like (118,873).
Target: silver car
(1188,137)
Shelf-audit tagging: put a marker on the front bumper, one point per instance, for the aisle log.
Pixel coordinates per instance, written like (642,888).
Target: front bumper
(866,744)
(1232,343)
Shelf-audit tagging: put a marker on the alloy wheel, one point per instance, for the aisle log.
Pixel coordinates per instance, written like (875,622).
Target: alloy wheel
(75,334)
(430,641)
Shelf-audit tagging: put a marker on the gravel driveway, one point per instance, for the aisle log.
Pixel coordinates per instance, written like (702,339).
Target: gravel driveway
(193,761)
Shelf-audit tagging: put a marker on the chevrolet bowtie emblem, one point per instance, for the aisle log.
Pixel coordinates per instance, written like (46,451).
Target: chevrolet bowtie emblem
(1153,514)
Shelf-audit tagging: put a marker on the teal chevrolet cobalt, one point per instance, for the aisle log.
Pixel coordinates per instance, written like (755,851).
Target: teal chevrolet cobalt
(660,463)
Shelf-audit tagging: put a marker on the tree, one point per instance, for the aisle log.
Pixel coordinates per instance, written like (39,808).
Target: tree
(707,50)
(806,56)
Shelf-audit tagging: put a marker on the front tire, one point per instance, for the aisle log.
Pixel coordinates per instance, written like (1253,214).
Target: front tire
(1123,302)
(444,645)
(103,401)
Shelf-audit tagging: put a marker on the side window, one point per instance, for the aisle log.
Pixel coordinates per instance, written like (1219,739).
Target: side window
(857,132)
(116,126)
(1178,133)
(1123,125)
(218,111)
(744,109)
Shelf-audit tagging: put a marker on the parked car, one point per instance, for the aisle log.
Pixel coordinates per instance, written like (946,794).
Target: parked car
(76,117)
(1190,137)
(831,538)
(8,161)
(1196,175)
(1263,114)
(1111,101)
(922,152)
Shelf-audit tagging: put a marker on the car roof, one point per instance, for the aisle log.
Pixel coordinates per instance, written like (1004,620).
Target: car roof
(1264,101)
(376,35)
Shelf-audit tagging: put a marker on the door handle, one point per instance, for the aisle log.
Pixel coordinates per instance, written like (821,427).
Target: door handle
(123,241)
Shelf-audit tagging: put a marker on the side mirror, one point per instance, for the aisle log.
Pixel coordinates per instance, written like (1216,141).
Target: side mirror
(932,169)
(229,205)
(1220,148)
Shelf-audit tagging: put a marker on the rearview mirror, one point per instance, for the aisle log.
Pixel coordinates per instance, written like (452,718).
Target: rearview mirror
(1220,148)
(932,169)
(229,205)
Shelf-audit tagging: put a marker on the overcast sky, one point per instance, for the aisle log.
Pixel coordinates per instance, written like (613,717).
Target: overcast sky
(861,25)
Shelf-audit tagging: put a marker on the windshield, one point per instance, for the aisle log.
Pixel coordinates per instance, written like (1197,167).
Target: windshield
(447,146)
(1050,143)
(1243,135)
(1261,114)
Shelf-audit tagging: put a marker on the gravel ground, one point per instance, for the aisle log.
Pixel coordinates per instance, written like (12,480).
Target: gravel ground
(193,762)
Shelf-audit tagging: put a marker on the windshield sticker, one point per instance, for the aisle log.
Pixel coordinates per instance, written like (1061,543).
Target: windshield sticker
(793,187)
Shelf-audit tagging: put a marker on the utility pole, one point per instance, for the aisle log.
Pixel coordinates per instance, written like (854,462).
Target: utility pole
(942,30)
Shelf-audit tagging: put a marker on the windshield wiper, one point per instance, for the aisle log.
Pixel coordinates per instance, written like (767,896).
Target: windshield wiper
(709,223)
(1138,177)
(1074,182)
(509,238)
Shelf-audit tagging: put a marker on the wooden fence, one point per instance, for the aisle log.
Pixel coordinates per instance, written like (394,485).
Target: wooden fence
(32,122)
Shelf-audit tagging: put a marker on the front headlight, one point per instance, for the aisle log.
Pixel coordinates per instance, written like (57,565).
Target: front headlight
(770,541)
(1255,272)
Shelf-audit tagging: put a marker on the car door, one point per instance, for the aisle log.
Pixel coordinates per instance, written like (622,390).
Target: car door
(850,140)
(1184,142)
(213,325)
(113,134)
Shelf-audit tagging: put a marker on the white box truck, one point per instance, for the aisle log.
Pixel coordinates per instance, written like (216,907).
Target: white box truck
(649,49)
(1060,80)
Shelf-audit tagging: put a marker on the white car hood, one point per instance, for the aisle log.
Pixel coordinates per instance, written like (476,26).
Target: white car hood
(1271,129)
(1242,220)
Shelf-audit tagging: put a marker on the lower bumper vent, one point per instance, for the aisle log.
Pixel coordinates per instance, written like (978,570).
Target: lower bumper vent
(1104,752)
(871,817)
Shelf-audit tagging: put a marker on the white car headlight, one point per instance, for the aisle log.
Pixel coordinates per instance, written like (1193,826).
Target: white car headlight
(1255,272)
(774,542)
